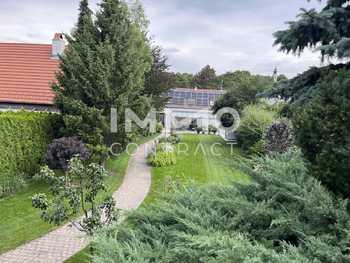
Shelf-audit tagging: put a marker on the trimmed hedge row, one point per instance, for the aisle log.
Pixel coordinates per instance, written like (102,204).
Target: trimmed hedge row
(24,139)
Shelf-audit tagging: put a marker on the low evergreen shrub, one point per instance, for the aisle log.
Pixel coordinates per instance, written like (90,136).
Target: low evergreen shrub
(258,148)
(25,137)
(284,215)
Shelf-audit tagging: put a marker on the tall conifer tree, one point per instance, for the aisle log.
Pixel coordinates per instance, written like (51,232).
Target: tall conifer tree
(131,52)
(104,66)
(77,83)
(318,99)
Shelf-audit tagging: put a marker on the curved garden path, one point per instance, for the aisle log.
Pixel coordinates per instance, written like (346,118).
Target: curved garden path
(62,243)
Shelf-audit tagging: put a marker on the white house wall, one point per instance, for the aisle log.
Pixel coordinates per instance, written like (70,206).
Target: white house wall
(204,117)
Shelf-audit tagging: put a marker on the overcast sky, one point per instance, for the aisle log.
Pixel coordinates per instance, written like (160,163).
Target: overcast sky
(227,34)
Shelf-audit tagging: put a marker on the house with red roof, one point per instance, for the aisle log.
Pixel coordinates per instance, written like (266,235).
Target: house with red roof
(27,72)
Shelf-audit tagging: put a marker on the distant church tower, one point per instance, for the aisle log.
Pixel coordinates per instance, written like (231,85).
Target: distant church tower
(275,75)
(221,87)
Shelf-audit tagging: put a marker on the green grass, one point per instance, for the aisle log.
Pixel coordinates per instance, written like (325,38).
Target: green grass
(20,222)
(120,165)
(208,160)
(199,165)
(81,257)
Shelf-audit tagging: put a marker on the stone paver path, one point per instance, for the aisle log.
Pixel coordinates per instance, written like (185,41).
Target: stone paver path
(60,244)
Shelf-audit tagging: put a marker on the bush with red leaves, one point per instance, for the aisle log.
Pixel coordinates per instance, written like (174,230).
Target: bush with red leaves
(61,150)
(279,137)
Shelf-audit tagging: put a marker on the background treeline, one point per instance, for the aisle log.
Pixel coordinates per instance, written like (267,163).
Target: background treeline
(207,78)
(111,62)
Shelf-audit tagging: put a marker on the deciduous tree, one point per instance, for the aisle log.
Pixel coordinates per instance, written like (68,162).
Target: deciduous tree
(158,79)
(73,192)
(205,78)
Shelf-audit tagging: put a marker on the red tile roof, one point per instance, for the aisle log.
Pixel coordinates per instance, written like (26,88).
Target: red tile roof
(26,73)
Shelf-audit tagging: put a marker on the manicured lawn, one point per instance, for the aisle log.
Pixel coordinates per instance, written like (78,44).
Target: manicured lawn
(203,163)
(208,160)
(120,165)
(80,257)
(20,222)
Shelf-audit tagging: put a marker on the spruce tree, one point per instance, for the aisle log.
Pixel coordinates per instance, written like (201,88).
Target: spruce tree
(327,30)
(131,53)
(318,98)
(104,66)
(85,24)
(77,84)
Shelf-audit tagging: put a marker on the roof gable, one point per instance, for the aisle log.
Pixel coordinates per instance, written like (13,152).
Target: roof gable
(26,73)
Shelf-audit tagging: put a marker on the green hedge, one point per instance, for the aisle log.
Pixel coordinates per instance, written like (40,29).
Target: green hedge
(24,139)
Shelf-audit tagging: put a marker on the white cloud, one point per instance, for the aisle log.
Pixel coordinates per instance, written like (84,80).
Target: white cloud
(226,34)
(237,37)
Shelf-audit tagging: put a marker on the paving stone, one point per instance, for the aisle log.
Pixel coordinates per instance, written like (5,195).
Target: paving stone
(62,243)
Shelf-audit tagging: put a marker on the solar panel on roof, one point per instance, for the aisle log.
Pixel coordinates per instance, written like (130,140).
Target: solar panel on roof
(188,97)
